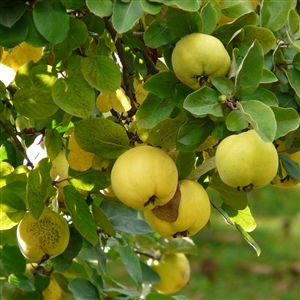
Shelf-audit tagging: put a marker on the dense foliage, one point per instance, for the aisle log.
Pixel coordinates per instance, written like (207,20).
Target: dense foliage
(101,71)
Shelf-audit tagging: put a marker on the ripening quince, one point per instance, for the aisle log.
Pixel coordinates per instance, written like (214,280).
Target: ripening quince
(53,291)
(197,58)
(184,215)
(79,159)
(144,177)
(174,272)
(48,235)
(60,168)
(245,160)
(286,180)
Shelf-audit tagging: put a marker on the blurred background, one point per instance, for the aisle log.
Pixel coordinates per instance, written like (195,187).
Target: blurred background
(228,268)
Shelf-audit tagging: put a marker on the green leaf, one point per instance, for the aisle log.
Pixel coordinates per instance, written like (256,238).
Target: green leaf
(224,85)
(234,198)
(74,246)
(225,32)
(125,15)
(261,117)
(80,213)
(88,180)
(61,263)
(158,34)
(185,245)
(263,95)
(264,36)
(249,72)
(102,220)
(290,166)
(293,21)
(101,8)
(34,104)
(11,37)
(74,95)
(12,209)
(189,5)
(51,20)
(202,102)
(235,121)
(149,276)
(101,136)
(38,187)
(162,134)
(77,34)
(210,14)
(130,225)
(193,133)
(274,14)
(41,282)
(249,239)
(94,23)
(12,259)
(183,22)
(287,120)
(185,163)
(293,76)
(242,217)
(102,73)
(131,264)
(153,110)
(9,15)
(81,289)
(42,77)
(162,84)
(150,7)
(53,142)
(268,76)
(21,282)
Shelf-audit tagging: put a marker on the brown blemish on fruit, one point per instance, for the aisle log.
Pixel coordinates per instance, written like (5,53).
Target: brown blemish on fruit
(169,211)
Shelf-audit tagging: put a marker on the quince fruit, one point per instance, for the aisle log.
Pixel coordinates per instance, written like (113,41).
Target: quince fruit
(53,291)
(49,235)
(197,58)
(144,177)
(60,168)
(184,215)
(286,180)
(174,272)
(79,159)
(245,160)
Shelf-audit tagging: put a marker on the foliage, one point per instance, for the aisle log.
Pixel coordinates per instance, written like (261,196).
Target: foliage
(59,58)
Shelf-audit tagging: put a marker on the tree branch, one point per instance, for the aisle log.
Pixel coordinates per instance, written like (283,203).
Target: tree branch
(18,144)
(126,67)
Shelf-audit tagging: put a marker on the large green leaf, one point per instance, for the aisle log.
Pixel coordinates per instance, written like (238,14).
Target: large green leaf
(261,117)
(287,120)
(202,102)
(81,288)
(101,136)
(249,72)
(210,14)
(9,15)
(188,5)
(241,217)
(11,37)
(12,209)
(274,14)
(150,7)
(162,84)
(158,34)
(263,95)
(74,95)
(12,259)
(51,20)
(34,103)
(235,121)
(153,110)
(183,22)
(185,163)
(193,133)
(293,76)
(102,220)
(236,199)
(101,8)
(131,263)
(42,77)
(102,73)
(125,15)
(21,282)
(80,213)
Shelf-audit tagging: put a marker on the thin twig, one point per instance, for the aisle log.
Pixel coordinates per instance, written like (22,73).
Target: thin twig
(126,67)
(148,254)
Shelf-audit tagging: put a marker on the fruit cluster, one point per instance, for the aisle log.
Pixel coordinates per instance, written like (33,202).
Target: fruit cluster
(173,209)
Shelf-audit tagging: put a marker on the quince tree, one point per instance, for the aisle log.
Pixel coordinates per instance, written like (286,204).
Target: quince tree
(147,97)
